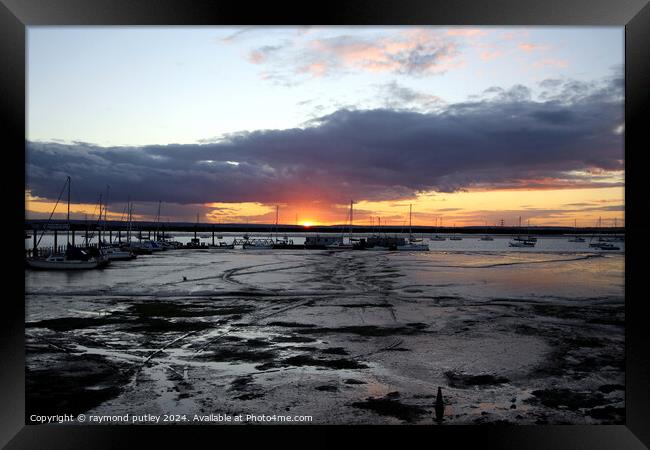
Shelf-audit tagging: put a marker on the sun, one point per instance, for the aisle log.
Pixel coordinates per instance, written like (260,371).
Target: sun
(307,224)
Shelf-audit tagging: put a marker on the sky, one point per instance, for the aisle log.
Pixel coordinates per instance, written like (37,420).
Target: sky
(470,125)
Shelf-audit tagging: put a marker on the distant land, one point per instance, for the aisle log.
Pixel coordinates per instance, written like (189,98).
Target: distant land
(82,225)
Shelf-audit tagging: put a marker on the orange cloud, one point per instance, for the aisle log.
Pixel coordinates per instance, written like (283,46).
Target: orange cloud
(529,47)
(467,32)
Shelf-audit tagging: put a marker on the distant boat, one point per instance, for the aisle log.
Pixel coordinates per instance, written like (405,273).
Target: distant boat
(575,228)
(63,262)
(522,244)
(413,245)
(258,244)
(438,238)
(487,238)
(73,258)
(116,254)
(526,238)
(455,238)
(222,246)
(608,246)
(340,245)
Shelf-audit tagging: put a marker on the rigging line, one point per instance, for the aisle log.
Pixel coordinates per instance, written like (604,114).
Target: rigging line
(52,213)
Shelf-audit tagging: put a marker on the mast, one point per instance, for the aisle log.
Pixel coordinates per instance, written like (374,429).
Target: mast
(351,218)
(410,223)
(277,212)
(130,219)
(106,206)
(158,221)
(69,183)
(99,223)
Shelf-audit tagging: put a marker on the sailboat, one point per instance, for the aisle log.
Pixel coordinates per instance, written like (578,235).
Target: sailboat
(110,251)
(73,258)
(521,241)
(486,237)
(412,245)
(437,237)
(576,238)
(285,243)
(455,237)
(527,238)
(340,245)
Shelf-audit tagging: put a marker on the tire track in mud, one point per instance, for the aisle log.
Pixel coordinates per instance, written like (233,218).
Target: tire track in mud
(513,263)
(345,269)
(227,276)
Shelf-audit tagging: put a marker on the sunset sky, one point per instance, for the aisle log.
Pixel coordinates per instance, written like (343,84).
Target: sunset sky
(470,125)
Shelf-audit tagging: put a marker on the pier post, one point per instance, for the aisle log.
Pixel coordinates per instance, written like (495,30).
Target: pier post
(213,236)
(440,406)
(56,240)
(110,236)
(86,235)
(119,236)
(149,235)
(99,237)
(73,237)
(35,251)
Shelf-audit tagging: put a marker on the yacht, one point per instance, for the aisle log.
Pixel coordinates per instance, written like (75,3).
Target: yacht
(258,244)
(222,246)
(522,243)
(339,244)
(487,238)
(117,254)
(608,246)
(74,258)
(413,245)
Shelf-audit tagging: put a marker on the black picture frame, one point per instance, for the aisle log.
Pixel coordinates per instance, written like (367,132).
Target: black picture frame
(16,15)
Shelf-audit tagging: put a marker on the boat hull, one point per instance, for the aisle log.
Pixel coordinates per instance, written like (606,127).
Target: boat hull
(339,247)
(413,248)
(65,265)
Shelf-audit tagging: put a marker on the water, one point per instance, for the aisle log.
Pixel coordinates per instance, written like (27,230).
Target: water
(469,243)
(263,332)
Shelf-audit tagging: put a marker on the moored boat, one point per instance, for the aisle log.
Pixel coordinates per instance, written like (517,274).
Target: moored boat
(74,258)
(117,254)
(413,245)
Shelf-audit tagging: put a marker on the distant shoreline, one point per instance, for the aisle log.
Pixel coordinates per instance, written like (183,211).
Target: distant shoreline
(81,225)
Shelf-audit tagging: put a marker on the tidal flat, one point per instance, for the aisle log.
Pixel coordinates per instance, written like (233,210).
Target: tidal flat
(347,337)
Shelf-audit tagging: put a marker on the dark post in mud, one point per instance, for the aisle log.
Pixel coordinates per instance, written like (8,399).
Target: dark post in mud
(440,406)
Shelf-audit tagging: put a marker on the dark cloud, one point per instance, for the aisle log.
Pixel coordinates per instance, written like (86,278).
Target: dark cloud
(399,97)
(506,141)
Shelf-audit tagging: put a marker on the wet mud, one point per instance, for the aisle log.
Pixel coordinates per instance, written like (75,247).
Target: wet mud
(347,337)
